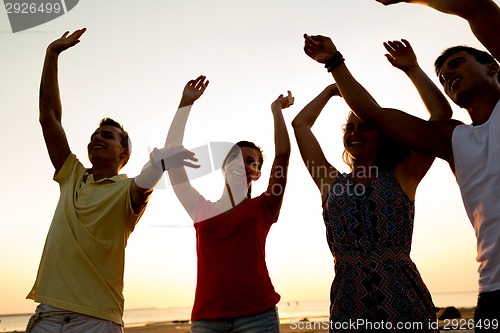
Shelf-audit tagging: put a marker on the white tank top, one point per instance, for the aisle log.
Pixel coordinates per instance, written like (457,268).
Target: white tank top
(476,150)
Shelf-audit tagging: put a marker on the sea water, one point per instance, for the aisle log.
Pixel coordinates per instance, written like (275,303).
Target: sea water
(288,310)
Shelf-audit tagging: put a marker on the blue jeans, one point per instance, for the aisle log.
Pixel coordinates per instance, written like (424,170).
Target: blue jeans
(48,319)
(267,321)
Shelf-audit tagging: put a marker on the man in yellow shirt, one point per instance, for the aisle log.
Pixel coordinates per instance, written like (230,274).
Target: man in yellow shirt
(80,278)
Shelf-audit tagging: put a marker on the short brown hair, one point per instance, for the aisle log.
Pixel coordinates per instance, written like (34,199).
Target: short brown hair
(481,56)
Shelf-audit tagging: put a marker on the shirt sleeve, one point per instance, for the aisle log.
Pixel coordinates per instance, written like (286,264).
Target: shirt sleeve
(270,207)
(70,166)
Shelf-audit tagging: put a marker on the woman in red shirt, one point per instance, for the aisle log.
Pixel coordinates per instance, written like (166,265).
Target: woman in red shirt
(234,290)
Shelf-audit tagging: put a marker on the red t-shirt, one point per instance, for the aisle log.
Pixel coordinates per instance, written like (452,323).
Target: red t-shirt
(233,279)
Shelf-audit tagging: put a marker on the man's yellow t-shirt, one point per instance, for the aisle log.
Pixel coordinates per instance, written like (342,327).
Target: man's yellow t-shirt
(82,263)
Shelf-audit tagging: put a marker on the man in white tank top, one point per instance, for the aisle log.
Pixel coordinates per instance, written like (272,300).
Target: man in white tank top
(471,79)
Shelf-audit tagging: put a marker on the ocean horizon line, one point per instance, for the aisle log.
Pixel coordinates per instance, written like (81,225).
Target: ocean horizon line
(282,301)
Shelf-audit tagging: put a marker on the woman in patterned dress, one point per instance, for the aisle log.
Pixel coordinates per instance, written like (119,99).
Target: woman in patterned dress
(368,214)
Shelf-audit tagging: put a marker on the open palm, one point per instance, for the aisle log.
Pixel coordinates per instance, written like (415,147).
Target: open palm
(195,88)
(66,41)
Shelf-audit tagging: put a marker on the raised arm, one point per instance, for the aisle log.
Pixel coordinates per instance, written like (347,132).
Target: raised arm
(433,138)
(192,91)
(402,56)
(160,160)
(186,193)
(322,172)
(279,170)
(50,116)
(483,17)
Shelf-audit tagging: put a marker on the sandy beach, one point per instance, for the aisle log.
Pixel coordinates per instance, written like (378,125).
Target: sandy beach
(185,328)
(306,327)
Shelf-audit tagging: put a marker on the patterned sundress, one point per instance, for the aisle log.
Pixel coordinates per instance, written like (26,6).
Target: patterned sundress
(369,232)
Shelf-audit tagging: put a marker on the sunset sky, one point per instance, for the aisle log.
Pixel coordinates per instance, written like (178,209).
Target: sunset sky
(132,64)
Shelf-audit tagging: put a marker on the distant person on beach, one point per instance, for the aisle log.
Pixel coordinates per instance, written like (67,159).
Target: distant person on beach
(234,292)
(80,278)
(470,78)
(369,212)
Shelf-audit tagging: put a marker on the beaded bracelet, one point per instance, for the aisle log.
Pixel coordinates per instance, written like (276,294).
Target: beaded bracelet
(334,61)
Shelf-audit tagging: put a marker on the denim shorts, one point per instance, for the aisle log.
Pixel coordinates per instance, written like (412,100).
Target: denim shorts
(48,319)
(267,321)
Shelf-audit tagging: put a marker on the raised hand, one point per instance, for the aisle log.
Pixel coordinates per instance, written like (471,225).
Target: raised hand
(401,55)
(319,48)
(193,90)
(483,17)
(173,156)
(283,102)
(66,41)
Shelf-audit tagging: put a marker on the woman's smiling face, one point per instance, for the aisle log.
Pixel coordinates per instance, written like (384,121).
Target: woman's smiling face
(360,140)
(242,164)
